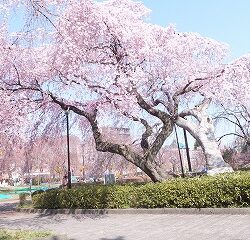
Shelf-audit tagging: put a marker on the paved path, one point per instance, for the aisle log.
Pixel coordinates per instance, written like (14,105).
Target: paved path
(132,227)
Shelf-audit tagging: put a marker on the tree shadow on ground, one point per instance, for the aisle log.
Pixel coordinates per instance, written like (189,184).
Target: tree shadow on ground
(59,238)
(28,221)
(77,217)
(7,207)
(116,238)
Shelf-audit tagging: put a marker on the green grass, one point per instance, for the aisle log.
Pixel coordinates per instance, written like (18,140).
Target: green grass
(6,234)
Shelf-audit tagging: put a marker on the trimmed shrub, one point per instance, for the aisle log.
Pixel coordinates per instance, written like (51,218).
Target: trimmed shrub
(86,197)
(225,190)
(120,196)
(37,192)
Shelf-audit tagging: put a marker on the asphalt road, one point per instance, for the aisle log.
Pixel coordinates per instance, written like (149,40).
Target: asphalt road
(131,226)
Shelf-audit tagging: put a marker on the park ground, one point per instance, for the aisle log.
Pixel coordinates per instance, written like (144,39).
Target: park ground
(130,227)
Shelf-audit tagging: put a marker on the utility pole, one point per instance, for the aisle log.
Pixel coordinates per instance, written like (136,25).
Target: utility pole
(68,149)
(187,150)
(177,140)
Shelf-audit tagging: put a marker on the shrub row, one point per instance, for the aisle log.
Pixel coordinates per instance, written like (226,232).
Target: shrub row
(226,190)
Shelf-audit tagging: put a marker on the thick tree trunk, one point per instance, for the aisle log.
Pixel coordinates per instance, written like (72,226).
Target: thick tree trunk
(155,172)
(146,161)
(214,160)
(203,132)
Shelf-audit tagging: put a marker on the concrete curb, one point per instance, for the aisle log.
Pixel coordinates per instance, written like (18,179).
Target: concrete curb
(206,211)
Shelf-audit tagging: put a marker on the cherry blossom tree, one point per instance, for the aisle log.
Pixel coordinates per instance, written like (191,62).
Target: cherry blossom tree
(104,58)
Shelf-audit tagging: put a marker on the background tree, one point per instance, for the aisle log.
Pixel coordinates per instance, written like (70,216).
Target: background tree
(239,118)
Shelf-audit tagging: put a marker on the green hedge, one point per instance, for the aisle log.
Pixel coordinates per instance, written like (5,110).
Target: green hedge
(225,190)
(87,197)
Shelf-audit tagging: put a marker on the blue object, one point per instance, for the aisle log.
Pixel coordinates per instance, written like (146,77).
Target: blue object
(5,196)
(181,145)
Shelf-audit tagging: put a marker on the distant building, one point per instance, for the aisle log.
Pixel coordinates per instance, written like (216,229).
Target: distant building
(169,158)
(116,135)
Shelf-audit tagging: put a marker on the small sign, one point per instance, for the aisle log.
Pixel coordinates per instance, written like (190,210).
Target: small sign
(109,178)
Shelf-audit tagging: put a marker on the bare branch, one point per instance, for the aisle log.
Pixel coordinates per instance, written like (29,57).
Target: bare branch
(228,134)
(164,117)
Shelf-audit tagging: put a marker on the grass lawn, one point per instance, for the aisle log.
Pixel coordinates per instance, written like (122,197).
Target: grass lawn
(22,234)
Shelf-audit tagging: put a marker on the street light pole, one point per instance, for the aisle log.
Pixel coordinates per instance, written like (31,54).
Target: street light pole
(69,170)
(187,150)
(177,140)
